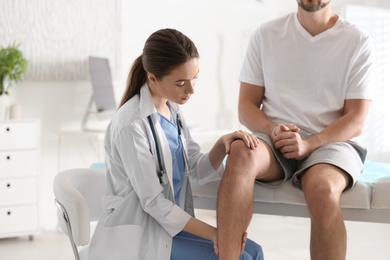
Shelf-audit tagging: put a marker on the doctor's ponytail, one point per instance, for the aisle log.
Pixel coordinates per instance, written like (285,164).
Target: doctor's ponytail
(164,51)
(137,77)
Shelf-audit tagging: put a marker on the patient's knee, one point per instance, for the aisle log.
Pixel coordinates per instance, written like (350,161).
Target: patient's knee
(324,185)
(243,161)
(239,147)
(323,201)
(240,153)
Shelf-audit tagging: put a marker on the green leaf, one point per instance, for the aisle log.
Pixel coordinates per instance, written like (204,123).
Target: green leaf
(12,66)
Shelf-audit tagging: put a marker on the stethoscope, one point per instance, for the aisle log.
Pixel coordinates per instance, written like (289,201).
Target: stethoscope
(162,173)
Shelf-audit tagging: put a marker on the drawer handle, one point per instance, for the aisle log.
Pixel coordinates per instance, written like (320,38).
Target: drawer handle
(8,129)
(9,213)
(8,185)
(8,157)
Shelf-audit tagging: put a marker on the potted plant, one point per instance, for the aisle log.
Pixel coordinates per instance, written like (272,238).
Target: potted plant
(12,67)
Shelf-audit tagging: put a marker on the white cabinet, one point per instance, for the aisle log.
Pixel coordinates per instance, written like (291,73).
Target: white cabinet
(19,151)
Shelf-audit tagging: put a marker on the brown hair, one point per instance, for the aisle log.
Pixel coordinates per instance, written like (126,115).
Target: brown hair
(164,50)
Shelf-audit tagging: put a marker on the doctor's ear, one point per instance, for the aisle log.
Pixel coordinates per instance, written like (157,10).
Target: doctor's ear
(151,77)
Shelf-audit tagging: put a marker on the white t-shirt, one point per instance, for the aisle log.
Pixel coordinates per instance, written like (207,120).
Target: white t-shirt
(306,78)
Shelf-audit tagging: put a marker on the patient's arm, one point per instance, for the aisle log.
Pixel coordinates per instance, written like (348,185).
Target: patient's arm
(250,115)
(346,127)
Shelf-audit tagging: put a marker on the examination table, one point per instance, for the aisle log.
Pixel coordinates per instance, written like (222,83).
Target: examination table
(368,200)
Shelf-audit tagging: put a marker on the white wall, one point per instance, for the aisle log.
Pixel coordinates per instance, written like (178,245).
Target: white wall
(220,30)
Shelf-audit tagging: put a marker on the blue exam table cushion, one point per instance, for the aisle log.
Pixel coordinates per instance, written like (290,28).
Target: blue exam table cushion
(374,172)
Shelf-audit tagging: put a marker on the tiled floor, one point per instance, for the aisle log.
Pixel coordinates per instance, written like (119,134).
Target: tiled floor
(44,246)
(281,237)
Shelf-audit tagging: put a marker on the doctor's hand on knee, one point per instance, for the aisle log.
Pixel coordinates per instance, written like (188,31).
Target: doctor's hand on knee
(223,146)
(250,140)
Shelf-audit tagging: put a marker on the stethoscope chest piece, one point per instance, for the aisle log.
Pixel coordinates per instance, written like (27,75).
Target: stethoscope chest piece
(164,178)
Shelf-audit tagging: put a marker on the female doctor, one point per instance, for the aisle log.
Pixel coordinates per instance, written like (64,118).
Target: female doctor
(150,157)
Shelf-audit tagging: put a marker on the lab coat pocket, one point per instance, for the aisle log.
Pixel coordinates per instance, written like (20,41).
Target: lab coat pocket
(117,243)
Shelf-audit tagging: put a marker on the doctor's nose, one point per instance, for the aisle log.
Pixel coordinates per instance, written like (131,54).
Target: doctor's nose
(191,87)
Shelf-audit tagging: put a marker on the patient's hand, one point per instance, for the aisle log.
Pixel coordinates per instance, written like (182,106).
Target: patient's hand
(282,129)
(288,141)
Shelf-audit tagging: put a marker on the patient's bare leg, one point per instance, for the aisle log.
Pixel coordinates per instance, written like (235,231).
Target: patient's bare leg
(323,185)
(235,195)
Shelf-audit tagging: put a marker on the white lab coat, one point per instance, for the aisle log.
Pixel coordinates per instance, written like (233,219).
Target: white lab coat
(140,216)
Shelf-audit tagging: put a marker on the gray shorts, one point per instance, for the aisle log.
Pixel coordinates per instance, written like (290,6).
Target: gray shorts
(348,156)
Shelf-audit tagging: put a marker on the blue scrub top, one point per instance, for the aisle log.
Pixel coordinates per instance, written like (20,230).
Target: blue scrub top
(176,147)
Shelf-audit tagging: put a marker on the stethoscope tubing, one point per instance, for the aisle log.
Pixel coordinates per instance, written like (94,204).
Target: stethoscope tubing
(162,173)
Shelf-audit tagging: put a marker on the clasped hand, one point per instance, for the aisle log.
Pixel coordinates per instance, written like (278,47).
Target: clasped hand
(288,141)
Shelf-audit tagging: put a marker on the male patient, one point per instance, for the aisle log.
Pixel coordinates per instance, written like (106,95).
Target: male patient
(310,73)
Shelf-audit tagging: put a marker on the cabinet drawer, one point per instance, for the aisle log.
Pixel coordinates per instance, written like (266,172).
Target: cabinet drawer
(18,191)
(18,135)
(18,163)
(18,219)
